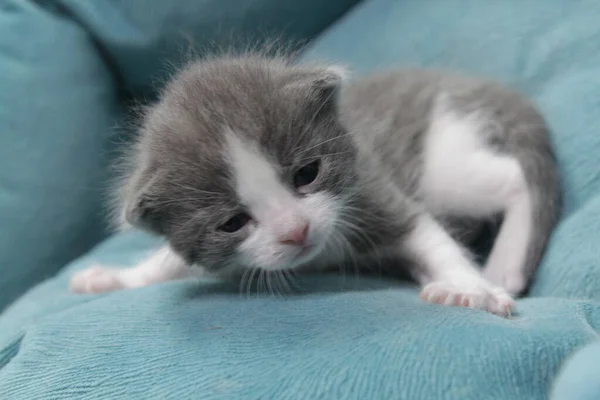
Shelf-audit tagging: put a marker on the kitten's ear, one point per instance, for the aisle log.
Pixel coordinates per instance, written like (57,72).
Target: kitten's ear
(326,85)
(322,86)
(331,78)
(140,205)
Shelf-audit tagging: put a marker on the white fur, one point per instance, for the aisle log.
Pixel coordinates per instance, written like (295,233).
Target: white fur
(448,276)
(462,176)
(163,265)
(276,210)
(506,262)
(260,189)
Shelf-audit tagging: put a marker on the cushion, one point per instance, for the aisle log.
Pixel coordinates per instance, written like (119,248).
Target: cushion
(579,378)
(58,104)
(343,337)
(143,39)
(337,339)
(65,67)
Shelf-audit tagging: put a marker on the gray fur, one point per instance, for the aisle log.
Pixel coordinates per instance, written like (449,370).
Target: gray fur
(394,134)
(369,133)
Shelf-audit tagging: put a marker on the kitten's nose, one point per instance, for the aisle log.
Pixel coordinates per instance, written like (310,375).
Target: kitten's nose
(296,236)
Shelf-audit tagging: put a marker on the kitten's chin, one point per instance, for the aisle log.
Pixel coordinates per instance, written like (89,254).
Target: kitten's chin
(310,256)
(299,260)
(305,256)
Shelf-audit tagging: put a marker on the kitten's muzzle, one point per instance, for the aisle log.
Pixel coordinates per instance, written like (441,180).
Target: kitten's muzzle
(296,236)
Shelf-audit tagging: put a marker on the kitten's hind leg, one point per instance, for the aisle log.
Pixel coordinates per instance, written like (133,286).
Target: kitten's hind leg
(447,274)
(161,266)
(463,176)
(507,263)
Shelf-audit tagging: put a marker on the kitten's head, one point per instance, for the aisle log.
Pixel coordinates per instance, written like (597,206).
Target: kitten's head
(243,164)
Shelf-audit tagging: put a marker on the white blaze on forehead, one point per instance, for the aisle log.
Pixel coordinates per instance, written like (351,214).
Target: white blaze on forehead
(275,207)
(257,181)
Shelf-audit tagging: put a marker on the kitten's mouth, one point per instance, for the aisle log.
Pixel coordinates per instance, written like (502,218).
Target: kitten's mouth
(306,250)
(307,254)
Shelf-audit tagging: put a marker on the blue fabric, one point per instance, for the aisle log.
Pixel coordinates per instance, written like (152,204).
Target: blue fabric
(65,67)
(347,338)
(580,376)
(343,339)
(58,103)
(142,39)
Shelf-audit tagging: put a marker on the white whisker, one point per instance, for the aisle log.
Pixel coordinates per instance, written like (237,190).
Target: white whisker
(251,281)
(283,280)
(305,150)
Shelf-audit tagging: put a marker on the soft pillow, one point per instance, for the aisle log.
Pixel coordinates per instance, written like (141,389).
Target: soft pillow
(143,38)
(58,103)
(340,338)
(579,378)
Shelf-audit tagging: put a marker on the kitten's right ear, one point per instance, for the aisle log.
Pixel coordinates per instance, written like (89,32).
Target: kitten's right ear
(141,208)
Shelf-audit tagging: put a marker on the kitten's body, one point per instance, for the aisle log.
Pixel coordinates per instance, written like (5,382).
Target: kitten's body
(467,150)
(398,156)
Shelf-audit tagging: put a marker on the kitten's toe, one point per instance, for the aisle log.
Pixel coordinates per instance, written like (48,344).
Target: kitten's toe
(514,282)
(504,303)
(495,300)
(96,280)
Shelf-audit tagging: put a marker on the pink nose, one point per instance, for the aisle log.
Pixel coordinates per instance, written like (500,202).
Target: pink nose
(296,236)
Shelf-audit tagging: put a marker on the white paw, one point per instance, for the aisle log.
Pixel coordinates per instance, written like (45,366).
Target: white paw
(514,282)
(478,296)
(97,280)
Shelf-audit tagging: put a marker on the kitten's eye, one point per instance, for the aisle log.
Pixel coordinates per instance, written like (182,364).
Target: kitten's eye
(235,223)
(307,174)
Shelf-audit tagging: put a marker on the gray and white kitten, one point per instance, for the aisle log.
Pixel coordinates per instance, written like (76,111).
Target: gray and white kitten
(252,163)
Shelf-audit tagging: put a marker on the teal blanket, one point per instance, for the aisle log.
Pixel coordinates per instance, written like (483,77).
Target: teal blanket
(348,338)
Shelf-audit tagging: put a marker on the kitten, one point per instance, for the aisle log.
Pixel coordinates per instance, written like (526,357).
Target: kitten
(249,163)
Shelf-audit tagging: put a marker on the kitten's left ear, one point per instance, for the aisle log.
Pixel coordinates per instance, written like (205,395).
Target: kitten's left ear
(321,86)
(337,72)
(327,84)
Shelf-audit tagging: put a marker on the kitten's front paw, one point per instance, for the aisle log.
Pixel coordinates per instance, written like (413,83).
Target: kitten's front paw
(494,300)
(96,280)
(514,282)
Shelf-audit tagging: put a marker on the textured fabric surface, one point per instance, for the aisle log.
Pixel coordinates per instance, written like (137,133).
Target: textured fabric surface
(347,338)
(580,376)
(65,66)
(343,339)
(57,106)
(137,36)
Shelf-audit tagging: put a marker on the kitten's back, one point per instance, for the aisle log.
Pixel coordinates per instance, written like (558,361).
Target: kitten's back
(391,114)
